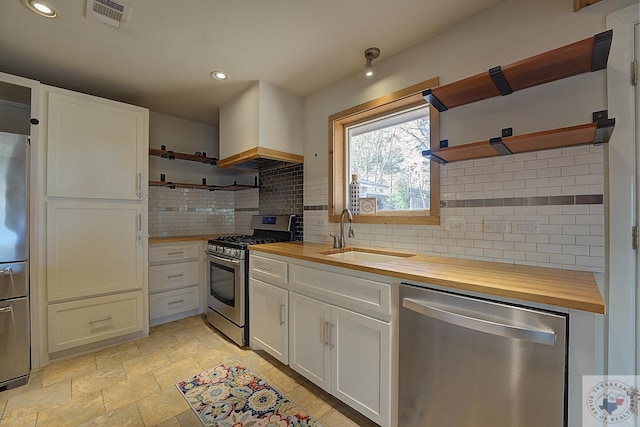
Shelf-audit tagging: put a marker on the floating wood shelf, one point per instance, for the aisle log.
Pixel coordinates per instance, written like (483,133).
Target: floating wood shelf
(232,187)
(168,154)
(586,55)
(597,132)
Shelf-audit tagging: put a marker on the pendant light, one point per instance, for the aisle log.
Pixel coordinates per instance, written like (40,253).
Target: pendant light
(370,54)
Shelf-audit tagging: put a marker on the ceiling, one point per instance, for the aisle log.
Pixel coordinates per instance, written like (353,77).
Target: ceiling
(163,57)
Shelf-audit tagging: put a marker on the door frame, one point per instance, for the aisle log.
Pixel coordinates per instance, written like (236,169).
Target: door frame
(621,296)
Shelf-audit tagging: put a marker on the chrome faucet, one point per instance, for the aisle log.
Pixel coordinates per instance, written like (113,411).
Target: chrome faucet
(341,242)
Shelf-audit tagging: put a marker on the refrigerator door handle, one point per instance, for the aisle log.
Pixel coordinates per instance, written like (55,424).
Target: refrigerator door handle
(487,326)
(7,309)
(6,271)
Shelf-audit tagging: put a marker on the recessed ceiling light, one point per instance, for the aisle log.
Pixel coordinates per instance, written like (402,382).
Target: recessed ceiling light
(219,75)
(40,7)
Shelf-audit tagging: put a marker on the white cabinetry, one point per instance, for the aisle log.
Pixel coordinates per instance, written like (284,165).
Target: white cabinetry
(174,281)
(269,307)
(339,328)
(346,352)
(96,225)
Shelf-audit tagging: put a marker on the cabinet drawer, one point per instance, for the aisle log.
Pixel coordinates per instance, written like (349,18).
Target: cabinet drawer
(76,323)
(172,302)
(172,276)
(162,253)
(363,296)
(268,270)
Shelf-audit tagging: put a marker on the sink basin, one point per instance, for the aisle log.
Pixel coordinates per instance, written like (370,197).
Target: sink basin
(365,255)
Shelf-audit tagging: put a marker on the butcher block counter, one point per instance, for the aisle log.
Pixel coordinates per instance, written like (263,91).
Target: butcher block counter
(562,288)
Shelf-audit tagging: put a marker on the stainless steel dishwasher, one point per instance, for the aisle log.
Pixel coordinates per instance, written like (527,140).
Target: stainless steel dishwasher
(470,362)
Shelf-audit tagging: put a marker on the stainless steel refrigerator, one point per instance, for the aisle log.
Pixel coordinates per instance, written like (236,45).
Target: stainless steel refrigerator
(14,261)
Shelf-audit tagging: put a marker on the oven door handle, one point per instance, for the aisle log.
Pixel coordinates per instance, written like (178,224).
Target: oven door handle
(224,261)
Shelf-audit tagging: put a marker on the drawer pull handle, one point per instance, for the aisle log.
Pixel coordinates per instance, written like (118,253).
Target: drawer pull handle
(263,268)
(175,276)
(175,253)
(282,314)
(106,319)
(7,309)
(176,302)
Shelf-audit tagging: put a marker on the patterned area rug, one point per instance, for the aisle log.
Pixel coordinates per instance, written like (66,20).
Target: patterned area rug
(230,395)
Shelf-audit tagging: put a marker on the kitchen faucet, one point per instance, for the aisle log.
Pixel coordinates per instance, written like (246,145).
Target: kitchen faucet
(351,233)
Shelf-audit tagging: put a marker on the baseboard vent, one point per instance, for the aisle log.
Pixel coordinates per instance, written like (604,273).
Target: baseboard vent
(110,12)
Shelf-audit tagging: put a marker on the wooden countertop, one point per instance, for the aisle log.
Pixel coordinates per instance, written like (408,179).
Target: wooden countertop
(563,288)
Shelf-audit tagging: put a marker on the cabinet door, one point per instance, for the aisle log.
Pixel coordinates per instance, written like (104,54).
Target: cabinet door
(268,315)
(308,334)
(95,148)
(93,248)
(361,363)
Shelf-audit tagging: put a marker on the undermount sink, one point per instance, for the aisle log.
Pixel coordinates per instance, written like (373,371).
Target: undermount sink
(365,255)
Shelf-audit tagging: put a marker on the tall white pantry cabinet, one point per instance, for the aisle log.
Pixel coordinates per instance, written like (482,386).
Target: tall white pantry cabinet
(95,193)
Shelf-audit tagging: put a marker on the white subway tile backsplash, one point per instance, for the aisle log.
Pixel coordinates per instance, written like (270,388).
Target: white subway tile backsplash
(539,187)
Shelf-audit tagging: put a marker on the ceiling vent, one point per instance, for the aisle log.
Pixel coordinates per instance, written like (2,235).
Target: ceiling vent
(108,12)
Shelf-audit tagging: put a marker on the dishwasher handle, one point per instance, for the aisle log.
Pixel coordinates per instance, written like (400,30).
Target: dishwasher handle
(510,331)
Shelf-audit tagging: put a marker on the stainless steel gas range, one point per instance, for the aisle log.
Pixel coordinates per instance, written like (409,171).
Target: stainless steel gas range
(228,273)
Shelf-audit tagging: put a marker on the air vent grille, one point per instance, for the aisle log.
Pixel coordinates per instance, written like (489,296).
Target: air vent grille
(108,12)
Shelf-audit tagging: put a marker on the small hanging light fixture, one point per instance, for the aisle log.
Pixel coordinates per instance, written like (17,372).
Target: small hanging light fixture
(370,54)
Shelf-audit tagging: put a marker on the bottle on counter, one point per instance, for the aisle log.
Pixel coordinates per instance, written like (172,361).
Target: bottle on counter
(354,194)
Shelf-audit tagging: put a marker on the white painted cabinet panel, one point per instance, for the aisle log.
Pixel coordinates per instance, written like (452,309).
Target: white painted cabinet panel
(361,363)
(308,334)
(173,276)
(92,248)
(95,148)
(90,320)
(175,281)
(268,320)
(175,302)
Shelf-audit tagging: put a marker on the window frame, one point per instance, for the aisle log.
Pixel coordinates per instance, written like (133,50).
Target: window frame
(338,123)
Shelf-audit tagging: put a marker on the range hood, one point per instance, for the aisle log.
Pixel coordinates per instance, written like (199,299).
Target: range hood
(261,129)
(260,159)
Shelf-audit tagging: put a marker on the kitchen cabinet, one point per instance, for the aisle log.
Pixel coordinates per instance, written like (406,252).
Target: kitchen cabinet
(87,260)
(340,337)
(175,288)
(95,231)
(85,321)
(95,148)
(329,324)
(345,353)
(587,55)
(269,307)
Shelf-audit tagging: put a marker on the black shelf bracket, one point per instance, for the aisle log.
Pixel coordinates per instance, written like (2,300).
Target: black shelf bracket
(497,144)
(500,81)
(433,100)
(169,155)
(444,143)
(604,127)
(170,185)
(429,155)
(507,132)
(601,48)
(210,161)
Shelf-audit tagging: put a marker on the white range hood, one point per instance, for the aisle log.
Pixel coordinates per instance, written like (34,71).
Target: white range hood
(261,129)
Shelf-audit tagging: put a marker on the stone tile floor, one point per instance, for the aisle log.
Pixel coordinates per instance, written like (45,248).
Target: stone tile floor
(133,384)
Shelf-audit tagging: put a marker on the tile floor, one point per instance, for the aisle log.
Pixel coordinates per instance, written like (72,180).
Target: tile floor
(133,384)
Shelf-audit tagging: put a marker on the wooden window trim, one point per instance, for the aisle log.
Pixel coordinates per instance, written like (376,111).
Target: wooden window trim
(384,105)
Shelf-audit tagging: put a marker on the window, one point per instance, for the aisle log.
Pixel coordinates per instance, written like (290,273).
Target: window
(382,141)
